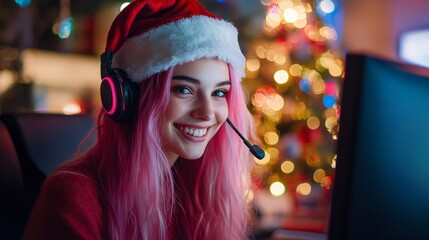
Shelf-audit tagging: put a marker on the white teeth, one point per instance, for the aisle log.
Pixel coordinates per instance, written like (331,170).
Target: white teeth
(193,132)
(197,133)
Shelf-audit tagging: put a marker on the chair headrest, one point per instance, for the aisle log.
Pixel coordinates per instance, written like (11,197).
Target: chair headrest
(47,140)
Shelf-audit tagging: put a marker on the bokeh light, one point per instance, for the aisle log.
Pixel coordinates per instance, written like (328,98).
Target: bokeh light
(329,33)
(281,76)
(295,70)
(23,3)
(326,182)
(334,161)
(274,17)
(65,28)
(290,15)
(274,154)
(264,160)
(313,123)
(329,101)
(280,59)
(253,65)
(303,189)
(327,6)
(71,108)
(277,189)
(304,84)
(331,122)
(318,175)
(331,88)
(313,160)
(287,166)
(271,138)
(261,51)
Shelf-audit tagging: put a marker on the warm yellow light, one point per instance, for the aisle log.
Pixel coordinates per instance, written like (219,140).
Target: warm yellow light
(313,160)
(284,4)
(274,153)
(258,99)
(253,65)
(331,122)
(281,76)
(318,86)
(290,15)
(287,166)
(303,189)
(313,75)
(280,59)
(51,69)
(271,54)
(273,19)
(328,33)
(326,61)
(264,160)
(326,182)
(335,70)
(71,108)
(260,51)
(334,161)
(295,70)
(271,138)
(330,112)
(277,189)
(7,79)
(276,102)
(300,23)
(301,12)
(313,123)
(318,175)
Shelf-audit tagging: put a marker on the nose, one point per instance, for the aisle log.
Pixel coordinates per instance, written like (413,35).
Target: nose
(204,108)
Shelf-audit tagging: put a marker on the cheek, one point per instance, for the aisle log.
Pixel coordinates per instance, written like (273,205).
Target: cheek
(172,111)
(222,112)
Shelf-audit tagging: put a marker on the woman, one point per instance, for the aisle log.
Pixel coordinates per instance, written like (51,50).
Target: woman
(165,166)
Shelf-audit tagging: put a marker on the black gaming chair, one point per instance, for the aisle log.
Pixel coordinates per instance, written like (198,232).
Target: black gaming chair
(32,145)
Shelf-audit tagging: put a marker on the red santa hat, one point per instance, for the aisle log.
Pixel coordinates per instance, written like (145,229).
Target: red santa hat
(150,36)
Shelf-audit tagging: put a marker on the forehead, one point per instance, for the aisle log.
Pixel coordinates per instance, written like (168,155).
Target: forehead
(211,70)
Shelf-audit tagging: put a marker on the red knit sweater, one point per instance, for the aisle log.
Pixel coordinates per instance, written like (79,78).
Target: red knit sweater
(68,207)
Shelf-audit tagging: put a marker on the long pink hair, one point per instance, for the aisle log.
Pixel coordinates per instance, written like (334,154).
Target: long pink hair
(145,198)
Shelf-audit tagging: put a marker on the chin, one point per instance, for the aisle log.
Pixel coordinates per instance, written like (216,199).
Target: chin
(192,156)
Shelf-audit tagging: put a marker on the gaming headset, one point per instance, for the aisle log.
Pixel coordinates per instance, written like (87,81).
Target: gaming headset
(119,95)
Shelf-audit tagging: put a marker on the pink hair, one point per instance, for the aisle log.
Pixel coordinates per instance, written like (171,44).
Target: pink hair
(147,199)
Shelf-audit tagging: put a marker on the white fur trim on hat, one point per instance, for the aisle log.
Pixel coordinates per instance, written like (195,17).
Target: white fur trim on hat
(179,42)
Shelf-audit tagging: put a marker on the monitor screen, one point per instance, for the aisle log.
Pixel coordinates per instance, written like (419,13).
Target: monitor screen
(381,186)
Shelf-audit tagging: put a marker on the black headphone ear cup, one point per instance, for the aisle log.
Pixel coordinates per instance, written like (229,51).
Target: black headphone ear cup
(130,93)
(119,96)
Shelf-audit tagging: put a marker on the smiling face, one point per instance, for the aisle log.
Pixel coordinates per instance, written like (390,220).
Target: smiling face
(197,108)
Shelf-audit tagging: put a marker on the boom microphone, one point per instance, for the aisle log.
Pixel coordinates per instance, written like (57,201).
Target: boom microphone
(255,149)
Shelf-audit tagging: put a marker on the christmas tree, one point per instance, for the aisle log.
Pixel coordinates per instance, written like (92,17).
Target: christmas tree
(293,77)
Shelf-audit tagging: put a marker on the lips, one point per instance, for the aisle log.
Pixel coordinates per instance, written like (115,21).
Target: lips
(192,131)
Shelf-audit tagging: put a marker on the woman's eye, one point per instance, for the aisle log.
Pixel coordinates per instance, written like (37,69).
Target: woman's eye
(220,93)
(182,90)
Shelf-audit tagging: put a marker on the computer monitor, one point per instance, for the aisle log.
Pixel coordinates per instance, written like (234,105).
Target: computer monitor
(381,184)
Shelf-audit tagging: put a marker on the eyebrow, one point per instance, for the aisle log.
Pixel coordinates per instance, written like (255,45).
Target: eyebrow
(196,81)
